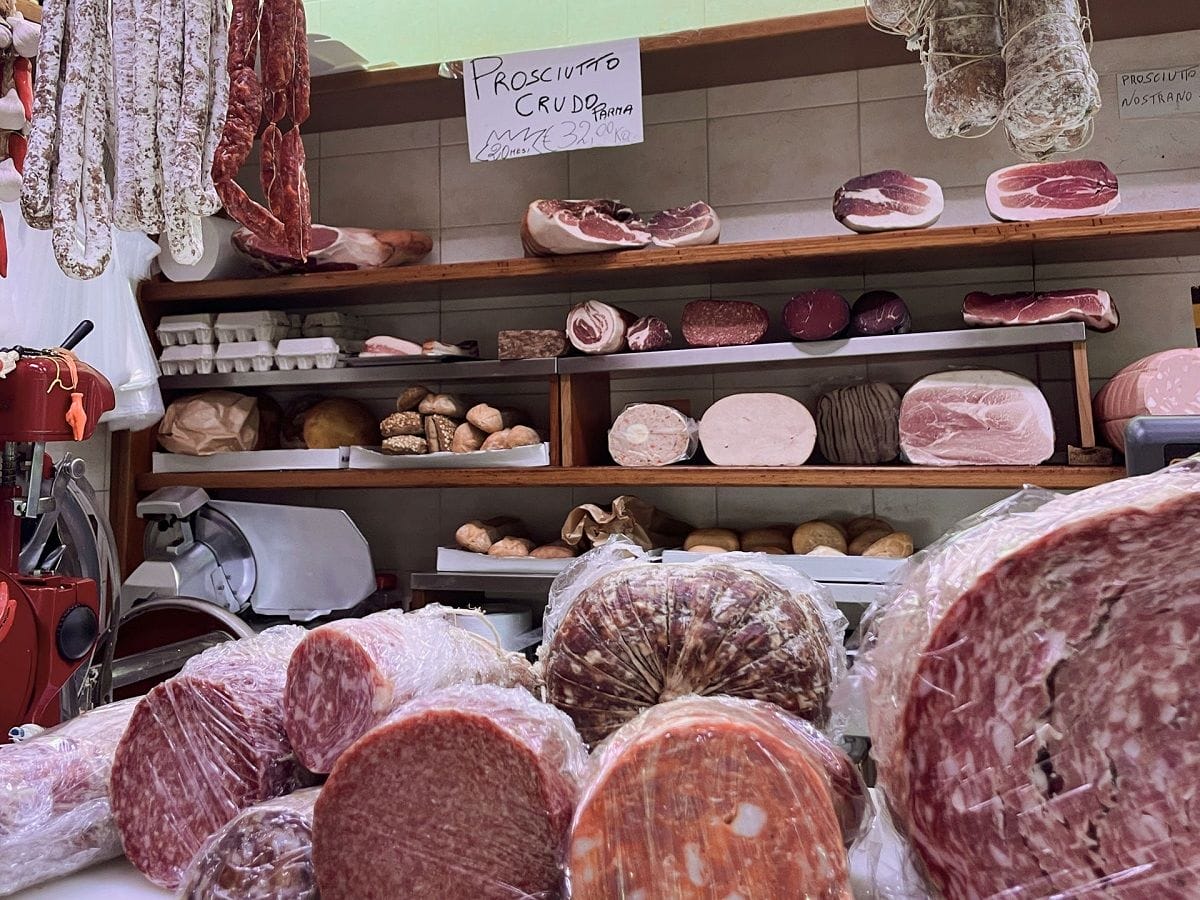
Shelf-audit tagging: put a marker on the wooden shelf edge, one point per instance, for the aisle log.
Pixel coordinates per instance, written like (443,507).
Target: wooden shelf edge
(983,477)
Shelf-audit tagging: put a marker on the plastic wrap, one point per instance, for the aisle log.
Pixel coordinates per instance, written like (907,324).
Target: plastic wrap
(1028,700)
(201,747)
(347,676)
(622,634)
(54,812)
(707,797)
(651,434)
(262,853)
(463,793)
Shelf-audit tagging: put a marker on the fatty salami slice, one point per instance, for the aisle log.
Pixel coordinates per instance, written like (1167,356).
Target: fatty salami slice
(1162,384)
(716,797)
(201,747)
(1032,709)
(651,434)
(463,794)
(347,676)
(647,633)
(55,816)
(263,853)
(859,425)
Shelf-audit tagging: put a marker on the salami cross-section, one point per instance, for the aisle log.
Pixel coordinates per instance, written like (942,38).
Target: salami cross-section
(706,797)
(1033,709)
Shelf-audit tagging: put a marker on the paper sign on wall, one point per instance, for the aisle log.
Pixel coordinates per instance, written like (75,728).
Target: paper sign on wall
(1159,92)
(547,101)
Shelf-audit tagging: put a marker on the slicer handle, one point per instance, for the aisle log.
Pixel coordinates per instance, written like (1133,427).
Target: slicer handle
(82,330)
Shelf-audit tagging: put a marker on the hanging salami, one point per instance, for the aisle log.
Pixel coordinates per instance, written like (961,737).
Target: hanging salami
(964,68)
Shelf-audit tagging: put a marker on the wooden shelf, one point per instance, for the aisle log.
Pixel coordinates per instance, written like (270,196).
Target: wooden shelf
(1131,236)
(1051,477)
(787,47)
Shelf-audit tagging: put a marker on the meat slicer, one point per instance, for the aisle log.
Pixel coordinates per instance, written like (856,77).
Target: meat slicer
(57,570)
(292,561)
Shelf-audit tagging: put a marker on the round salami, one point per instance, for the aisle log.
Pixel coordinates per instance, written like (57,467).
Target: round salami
(715,797)
(463,794)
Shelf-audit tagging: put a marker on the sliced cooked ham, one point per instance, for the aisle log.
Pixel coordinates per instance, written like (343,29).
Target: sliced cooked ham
(888,201)
(338,249)
(1031,192)
(560,227)
(1093,307)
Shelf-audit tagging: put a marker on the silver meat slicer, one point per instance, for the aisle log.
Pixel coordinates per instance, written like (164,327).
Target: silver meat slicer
(292,561)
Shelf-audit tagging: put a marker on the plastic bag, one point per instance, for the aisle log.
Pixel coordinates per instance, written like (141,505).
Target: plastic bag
(1028,694)
(262,853)
(54,811)
(347,676)
(40,305)
(652,434)
(622,634)
(716,797)
(201,747)
(881,863)
(463,792)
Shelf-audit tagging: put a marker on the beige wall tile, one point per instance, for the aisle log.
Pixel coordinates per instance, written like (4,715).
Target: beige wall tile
(681,106)
(786,93)
(670,168)
(927,514)
(405,136)
(751,507)
(497,192)
(778,221)
(887,82)
(397,189)
(476,242)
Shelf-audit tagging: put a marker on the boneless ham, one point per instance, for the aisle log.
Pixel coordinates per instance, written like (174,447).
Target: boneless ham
(347,676)
(1032,712)
(557,227)
(977,417)
(1095,308)
(758,430)
(337,249)
(706,797)
(888,201)
(1163,384)
(55,815)
(1031,192)
(651,434)
(201,747)
(463,794)
(635,635)
(263,853)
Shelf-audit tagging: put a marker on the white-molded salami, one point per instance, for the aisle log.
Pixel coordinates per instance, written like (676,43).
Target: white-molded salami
(758,430)
(1162,384)
(42,152)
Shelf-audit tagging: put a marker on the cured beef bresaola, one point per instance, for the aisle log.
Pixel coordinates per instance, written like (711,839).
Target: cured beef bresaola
(1031,192)
(1031,712)
(1095,308)
(888,201)
(878,313)
(1162,384)
(337,249)
(559,227)
(816,315)
(595,327)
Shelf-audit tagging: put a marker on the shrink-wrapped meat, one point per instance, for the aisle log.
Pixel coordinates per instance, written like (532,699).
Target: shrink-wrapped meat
(201,747)
(1030,706)
(706,797)
(262,853)
(347,676)
(55,816)
(622,636)
(463,794)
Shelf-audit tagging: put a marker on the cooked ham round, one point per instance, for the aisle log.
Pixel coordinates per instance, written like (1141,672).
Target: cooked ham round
(758,430)
(1031,192)
(888,201)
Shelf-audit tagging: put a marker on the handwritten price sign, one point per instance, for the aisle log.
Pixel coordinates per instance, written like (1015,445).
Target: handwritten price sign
(548,101)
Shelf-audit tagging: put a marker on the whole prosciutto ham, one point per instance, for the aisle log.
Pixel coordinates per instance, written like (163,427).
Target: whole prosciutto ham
(337,249)
(1095,308)
(1032,192)
(888,201)
(561,227)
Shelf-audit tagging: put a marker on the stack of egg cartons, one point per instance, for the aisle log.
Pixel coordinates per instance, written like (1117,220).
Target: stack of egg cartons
(247,339)
(326,336)
(187,343)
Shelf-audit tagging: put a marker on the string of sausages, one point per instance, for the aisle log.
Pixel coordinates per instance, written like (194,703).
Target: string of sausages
(18,44)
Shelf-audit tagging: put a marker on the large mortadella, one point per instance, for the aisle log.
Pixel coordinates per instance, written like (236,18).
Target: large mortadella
(1162,384)
(758,430)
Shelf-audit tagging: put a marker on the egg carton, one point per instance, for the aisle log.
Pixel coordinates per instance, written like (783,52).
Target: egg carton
(196,328)
(189,359)
(342,326)
(259,325)
(245,356)
(307,353)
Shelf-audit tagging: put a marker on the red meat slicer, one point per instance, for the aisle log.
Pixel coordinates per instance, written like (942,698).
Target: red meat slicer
(51,625)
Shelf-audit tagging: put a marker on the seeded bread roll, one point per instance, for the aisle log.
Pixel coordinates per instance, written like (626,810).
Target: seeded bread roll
(439,433)
(406,445)
(410,398)
(401,423)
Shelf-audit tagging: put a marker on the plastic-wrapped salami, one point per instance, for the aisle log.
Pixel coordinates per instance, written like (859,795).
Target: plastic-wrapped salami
(1030,695)
(622,634)
(650,434)
(462,794)
(262,853)
(716,797)
(347,676)
(55,816)
(201,747)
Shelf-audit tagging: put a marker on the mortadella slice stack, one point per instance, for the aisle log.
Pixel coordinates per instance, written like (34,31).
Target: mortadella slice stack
(707,797)
(978,417)
(1163,384)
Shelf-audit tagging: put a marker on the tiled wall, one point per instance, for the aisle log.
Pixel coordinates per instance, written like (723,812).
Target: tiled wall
(769,157)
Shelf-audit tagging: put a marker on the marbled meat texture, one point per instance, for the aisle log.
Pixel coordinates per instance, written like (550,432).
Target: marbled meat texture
(651,434)
(648,333)
(654,632)
(859,425)
(347,676)
(201,747)
(707,797)
(1032,192)
(337,249)
(819,315)
(263,853)
(1032,714)
(534,343)
(554,227)
(1095,308)
(723,323)
(684,226)
(877,313)
(976,417)
(1162,384)
(463,794)
(888,201)
(595,327)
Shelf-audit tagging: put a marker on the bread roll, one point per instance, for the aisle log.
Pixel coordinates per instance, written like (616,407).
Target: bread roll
(406,445)
(410,398)
(557,550)
(478,536)
(512,546)
(442,405)
(764,540)
(402,423)
(815,534)
(855,527)
(509,438)
(865,540)
(491,419)
(339,422)
(723,539)
(824,551)
(467,439)
(897,545)
(439,432)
